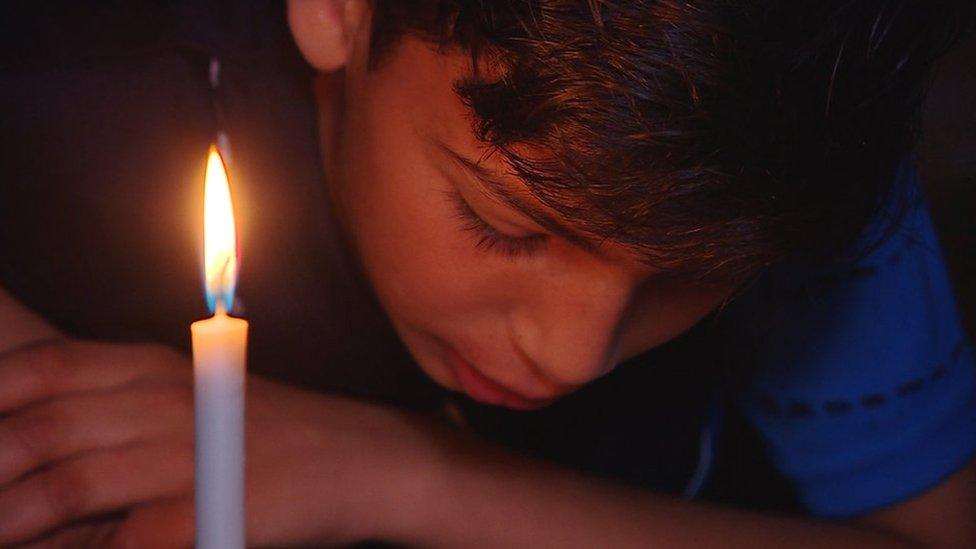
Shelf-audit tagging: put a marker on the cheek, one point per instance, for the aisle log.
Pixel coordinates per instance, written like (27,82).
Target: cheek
(422,267)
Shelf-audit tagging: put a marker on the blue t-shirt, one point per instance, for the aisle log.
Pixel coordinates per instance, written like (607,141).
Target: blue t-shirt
(861,378)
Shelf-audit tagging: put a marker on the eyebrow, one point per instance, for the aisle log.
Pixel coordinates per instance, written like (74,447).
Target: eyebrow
(495,187)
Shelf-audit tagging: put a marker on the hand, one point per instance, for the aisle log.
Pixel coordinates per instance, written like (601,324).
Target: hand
(96,449)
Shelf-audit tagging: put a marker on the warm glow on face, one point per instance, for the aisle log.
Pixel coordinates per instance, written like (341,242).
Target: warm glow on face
(219,235)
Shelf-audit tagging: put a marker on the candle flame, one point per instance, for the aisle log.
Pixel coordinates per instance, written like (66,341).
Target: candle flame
(219,236)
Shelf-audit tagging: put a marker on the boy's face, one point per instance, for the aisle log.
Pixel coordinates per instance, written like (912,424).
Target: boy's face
(488,301)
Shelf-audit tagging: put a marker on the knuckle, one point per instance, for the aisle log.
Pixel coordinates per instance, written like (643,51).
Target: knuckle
(35,433)
(158,352)
(160,360)
(172,397)
(175,405)
(49,364)
(68,489)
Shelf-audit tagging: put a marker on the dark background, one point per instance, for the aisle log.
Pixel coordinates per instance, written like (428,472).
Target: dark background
(947,162)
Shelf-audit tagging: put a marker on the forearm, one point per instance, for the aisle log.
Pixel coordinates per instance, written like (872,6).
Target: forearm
(506,501)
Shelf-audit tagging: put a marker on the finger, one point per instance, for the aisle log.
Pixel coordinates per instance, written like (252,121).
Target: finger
(56,429)
(160,524)
(28,327)
(86,534)
(57,368)
(93,484)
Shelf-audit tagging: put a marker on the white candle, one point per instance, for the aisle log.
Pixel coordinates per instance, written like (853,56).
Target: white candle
(219,345)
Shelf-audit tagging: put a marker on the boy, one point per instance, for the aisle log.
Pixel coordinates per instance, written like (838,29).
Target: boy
(534,193)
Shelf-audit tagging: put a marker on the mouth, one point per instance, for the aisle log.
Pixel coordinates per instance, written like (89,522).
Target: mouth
(488,391)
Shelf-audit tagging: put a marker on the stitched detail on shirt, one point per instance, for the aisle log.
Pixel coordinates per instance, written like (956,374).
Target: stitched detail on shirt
(855,272)
(837,407)
(910,388)
(873,400)
(800,409)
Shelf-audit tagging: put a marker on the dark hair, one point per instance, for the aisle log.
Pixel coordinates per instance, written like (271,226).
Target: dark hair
(714,136)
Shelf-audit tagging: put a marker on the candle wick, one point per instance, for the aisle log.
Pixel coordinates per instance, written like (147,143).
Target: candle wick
(220,306)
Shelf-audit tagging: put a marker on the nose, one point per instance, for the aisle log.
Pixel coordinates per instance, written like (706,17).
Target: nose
(570,327)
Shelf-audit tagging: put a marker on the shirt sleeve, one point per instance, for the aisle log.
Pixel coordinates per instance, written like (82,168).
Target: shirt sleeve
(862,380)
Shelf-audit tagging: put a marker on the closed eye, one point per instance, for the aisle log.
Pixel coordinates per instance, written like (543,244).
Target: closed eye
(490,238)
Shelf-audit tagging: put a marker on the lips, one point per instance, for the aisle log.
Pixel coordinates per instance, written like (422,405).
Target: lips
(488,391)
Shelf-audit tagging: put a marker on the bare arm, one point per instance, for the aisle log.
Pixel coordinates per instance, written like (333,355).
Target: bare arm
(464,494)
(503,501)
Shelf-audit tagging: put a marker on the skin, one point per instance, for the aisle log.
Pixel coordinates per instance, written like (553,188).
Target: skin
(542,323)
(327,470)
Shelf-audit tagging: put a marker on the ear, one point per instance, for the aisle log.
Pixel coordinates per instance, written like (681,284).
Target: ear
(324,29)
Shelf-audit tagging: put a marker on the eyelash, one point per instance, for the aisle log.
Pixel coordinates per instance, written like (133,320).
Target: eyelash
(490,238)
